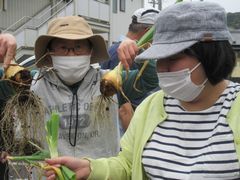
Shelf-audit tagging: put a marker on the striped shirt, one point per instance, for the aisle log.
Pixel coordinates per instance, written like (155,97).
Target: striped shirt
(193,144)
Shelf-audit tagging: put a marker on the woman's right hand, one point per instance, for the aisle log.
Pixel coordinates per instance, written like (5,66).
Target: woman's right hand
(80,166)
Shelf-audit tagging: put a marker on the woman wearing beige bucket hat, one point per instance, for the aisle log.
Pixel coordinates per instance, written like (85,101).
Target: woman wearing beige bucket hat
(189,129)
(72,87)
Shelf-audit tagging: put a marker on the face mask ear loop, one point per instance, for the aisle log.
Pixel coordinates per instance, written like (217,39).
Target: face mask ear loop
(195,67)
(204,82)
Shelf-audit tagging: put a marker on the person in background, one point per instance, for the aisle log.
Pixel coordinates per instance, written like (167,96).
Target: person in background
(142,20)
(189,129)
(71,87)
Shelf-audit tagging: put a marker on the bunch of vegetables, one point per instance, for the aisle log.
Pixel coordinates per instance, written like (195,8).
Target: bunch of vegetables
(111,82)
(22,118)
(36,159)
(18,75)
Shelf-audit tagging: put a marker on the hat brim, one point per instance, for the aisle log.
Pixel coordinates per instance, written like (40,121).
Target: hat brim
(99,52)
(161,51)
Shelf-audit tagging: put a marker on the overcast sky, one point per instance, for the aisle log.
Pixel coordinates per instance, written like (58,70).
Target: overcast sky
(229,5)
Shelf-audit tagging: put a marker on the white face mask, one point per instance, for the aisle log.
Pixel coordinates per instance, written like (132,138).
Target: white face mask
(179,84)
(71,69)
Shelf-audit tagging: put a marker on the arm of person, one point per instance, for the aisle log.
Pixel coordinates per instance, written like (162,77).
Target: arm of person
(116,168)
(138,88)
(8,47)
(113,60)
(99,169)
(148,81)
(125,114)
(128,164)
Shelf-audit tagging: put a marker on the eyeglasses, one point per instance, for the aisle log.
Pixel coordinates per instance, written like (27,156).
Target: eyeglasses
(78,50)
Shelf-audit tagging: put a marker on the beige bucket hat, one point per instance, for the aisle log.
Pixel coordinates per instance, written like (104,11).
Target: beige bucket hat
(69,28)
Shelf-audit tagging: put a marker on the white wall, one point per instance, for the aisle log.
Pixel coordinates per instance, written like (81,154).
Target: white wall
(120,21)
(93,9)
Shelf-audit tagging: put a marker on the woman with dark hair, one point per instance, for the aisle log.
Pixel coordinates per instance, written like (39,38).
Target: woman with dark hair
(189,129)
(210,52)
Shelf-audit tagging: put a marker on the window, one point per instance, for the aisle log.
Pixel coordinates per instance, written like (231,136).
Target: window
(114,6)
(122,5)
(103,1)
(3,5)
